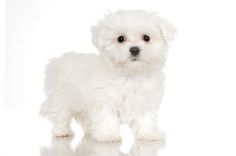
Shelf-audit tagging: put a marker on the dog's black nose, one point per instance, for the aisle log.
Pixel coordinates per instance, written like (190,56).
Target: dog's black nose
(134,51)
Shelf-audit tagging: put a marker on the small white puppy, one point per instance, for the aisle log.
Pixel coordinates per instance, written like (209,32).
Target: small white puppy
(124,84)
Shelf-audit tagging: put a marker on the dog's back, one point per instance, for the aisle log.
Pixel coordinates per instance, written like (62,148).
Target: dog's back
(60,73)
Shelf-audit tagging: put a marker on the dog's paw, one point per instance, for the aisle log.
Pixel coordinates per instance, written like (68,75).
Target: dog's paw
(151,136)
(106,138)
(62,132)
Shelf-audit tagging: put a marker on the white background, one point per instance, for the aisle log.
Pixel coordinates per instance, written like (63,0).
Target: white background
(198,112)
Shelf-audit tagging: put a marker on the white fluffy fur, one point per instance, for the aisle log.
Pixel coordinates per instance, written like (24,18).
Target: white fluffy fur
(103,91)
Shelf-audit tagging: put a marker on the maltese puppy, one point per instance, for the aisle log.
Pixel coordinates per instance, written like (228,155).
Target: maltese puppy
(123,84)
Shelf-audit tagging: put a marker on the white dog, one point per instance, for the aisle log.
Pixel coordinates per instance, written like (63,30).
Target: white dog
(124,84)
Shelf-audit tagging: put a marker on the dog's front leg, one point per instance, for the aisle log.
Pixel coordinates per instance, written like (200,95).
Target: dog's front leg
(104,125)
(144,127)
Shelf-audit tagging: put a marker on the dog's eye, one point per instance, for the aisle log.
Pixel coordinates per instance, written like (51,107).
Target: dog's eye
(146,38)
(121,39)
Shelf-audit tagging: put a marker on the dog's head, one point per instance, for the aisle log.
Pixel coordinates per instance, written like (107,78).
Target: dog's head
(133,39)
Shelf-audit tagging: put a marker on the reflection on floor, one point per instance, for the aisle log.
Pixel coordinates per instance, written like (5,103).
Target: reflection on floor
(88,147)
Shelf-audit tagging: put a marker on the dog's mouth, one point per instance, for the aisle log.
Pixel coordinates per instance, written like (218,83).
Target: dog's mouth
(134,59)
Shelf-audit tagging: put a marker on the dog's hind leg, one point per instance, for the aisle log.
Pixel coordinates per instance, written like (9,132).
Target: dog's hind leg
(57,110)
(62,125)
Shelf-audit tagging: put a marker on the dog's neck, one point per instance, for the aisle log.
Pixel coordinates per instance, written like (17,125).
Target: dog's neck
(132,71)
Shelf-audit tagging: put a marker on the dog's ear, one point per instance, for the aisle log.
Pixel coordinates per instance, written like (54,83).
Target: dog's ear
(167,29)
(96,35)
(98,31)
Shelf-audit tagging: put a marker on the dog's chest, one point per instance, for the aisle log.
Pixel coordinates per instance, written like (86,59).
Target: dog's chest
(127,95)
(138,95)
